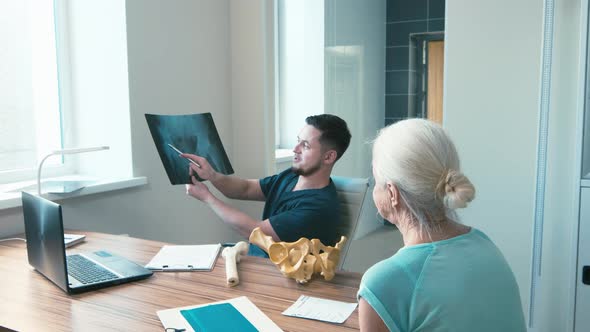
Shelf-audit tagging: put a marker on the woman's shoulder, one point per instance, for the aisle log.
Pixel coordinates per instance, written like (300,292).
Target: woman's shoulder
(406,264)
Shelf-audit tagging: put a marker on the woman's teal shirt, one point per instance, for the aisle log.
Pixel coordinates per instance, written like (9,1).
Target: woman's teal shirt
(462,284)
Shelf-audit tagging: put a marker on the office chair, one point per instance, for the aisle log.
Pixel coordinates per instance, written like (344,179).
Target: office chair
(351,193)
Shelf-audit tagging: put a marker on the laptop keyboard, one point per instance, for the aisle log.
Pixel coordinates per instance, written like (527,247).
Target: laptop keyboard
(86,271)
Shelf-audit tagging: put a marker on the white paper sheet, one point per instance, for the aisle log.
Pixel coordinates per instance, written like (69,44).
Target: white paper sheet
(173,317)
(320,309)
(72,239)
(185,258)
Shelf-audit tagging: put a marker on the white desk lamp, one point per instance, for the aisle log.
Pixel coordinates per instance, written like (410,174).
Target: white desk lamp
(62,152)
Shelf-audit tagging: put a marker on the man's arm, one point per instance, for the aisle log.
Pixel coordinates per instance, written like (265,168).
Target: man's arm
(230,186)
(236,188)
(238,220)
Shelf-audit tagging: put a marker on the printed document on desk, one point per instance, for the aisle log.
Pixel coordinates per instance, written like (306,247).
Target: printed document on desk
(320,309)
(185,258)
(172,318)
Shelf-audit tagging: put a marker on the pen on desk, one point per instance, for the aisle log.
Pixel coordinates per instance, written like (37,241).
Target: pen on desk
(179,152)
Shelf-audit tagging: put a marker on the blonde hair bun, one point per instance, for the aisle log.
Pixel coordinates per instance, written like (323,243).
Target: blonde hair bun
(459,191)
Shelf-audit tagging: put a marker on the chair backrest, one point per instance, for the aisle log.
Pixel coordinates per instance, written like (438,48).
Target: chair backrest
(351,193)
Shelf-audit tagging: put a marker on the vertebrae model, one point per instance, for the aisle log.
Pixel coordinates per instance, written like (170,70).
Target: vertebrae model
(301,259)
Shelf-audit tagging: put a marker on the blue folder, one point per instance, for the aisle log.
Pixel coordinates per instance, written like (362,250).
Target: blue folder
(217,317)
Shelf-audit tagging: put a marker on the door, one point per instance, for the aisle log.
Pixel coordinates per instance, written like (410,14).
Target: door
(434,110)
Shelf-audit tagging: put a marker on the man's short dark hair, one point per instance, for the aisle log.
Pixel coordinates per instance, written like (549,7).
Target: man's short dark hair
(335,133)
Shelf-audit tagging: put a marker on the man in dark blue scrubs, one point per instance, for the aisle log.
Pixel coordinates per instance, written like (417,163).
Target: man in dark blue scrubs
(300,201)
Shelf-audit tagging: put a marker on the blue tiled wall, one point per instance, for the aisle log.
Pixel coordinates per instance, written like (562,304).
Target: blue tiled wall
(405,17)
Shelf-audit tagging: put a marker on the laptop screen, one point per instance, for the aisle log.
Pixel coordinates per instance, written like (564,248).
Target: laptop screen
(45,238)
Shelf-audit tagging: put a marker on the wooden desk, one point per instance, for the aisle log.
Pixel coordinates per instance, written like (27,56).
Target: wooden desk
(29,302)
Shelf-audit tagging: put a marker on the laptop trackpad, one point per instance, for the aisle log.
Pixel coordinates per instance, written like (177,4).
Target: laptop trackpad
(118,264)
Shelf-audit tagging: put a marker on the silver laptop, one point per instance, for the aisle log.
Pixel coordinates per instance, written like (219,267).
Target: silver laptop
(74,273)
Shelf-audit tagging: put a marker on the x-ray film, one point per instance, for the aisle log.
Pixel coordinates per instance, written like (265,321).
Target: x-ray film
(193,133)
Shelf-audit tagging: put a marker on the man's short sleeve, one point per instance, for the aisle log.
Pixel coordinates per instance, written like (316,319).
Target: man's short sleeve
(267,182)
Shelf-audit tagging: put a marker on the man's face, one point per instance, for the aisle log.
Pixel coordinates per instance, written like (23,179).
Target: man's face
(308,151)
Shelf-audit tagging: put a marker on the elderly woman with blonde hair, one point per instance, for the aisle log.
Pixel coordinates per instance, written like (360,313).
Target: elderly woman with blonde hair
(448,276)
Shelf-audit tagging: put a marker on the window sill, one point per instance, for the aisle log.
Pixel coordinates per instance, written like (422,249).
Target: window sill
(283,155)
(10,196)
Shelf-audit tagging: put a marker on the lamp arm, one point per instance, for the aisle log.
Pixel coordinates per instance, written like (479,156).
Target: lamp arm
(39,172)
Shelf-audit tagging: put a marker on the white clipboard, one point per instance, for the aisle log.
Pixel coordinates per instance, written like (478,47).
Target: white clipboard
(185,258)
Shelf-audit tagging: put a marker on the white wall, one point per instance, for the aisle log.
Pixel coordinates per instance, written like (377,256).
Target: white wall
(252,92)
(491,110)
